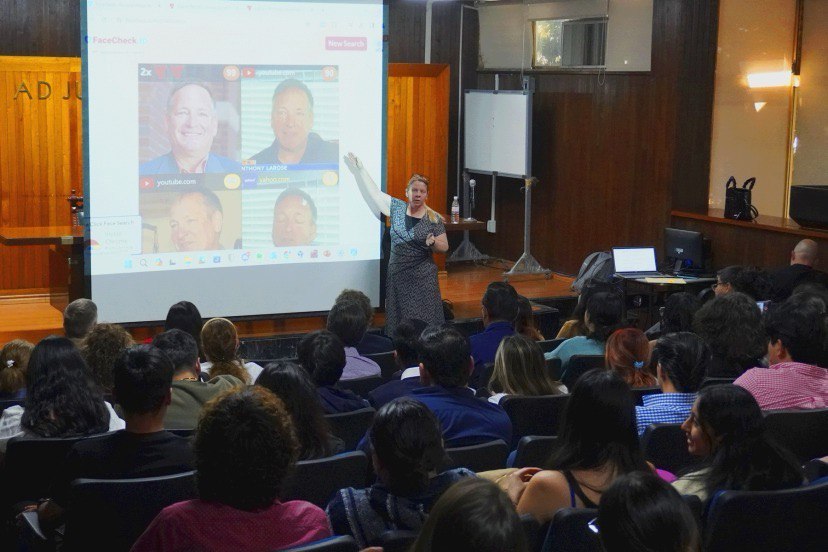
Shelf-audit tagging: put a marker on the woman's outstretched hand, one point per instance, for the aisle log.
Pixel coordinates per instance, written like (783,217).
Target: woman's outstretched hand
(353,162)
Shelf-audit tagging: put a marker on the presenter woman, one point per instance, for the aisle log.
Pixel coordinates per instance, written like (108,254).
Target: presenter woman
(416,230)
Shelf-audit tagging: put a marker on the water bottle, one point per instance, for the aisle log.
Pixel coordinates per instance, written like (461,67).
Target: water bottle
(455,211)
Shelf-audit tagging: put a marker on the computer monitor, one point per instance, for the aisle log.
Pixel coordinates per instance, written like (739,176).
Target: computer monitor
(683,250)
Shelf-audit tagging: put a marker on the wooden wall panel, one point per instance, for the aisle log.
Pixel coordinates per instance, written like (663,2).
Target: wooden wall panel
(40,158)
(40,27)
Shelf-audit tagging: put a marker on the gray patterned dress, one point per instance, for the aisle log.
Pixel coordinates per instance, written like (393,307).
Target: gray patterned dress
(412,290)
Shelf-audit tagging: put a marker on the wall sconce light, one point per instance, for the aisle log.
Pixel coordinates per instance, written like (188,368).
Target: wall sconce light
(773,79)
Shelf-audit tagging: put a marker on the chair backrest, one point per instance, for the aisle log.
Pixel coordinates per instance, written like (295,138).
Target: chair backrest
(396,541)
(332,544)
(532,532)
(387,363)
(112,514)
(665,445)
(792,519)
(316,481)
(570,532)
(183,432)
(639,392)
(804,432)
(535,450)
(534,415)
(480,376)
(30,467)
(816,469)
(578,366)
(549,345)
(351,426)
(715,381)
(478,458)
(553,366)
(361,386)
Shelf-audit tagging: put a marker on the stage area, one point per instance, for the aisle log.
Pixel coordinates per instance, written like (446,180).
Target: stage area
(463,284)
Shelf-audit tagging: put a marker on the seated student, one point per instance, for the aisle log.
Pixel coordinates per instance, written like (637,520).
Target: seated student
(406,343)
(322,355)
(676,315)
(576,326)
(244,447)
(221,346)
(14,361)
(628,354)
(682,363)
(370,343)
(445,365)
(186,316)
(731,325)
(641,511)
(750,280)
(348,322)
(726,427)
(525,321)
(804,258)
(474,515)
(602,317)
(60,399)
(798,356)
(102,346)
(142,377)
(500,309)
(407,452)
(291,383)
(79,317)
(519,369)
(189,393)
(598,444)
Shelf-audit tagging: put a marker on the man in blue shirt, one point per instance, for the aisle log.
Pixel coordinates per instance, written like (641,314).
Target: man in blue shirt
(445,366)
(500,309)
(406,342)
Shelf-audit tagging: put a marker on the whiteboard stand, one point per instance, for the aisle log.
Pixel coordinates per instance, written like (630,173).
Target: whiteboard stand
(527,264)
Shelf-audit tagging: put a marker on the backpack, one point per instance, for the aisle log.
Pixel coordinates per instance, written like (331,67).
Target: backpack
(597,266)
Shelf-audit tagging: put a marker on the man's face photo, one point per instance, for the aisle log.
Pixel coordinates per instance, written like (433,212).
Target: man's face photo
(195,225)
(191,122)
(292,120)
(293,222)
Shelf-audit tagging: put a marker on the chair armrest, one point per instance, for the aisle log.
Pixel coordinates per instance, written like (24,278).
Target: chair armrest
(30,528)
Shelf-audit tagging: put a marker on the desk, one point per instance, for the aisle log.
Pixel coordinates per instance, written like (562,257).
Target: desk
(656,290)
(67,250)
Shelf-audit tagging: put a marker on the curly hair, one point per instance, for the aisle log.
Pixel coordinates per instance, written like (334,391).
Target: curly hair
(101,348)
(221,341)
(245,446)
(14,361)
(731,325)
(61,400)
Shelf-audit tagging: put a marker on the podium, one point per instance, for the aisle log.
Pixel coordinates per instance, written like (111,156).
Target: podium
(65,257)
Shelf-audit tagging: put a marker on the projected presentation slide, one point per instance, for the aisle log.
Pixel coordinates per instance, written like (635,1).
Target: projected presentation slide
(215,135)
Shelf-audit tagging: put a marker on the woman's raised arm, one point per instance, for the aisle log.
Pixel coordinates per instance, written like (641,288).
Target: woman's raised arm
(378,201)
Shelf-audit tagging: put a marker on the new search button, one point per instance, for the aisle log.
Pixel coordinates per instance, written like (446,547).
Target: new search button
(346,43)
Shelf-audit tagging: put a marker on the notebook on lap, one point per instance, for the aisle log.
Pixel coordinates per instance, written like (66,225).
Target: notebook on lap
(635,262)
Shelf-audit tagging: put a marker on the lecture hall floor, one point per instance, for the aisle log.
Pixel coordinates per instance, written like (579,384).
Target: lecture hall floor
(463,284)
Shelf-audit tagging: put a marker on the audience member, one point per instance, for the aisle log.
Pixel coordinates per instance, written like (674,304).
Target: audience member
(682,363)
(676,315)
(731,325)
(576,326)
(444,371)
(185,316)
(141,380)
(628,353)
(221,347)
(14,361)
(474,515)
(291,383)
(641,512)
(603,316)
(407,453)
(801,269)
(189,393)
(348,322)
(525,321)
(79,317)
(322,354)
(520,369)
(371,343)
(244,448)
(727,428)
(798,357)
(102,346)
(750,280)
(61,401)
(406,344)
(500,310)
(598,443)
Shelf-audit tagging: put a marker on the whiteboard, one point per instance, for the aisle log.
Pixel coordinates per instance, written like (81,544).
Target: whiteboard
(498,132)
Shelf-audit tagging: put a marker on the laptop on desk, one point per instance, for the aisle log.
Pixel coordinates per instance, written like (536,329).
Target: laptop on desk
(636,262)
